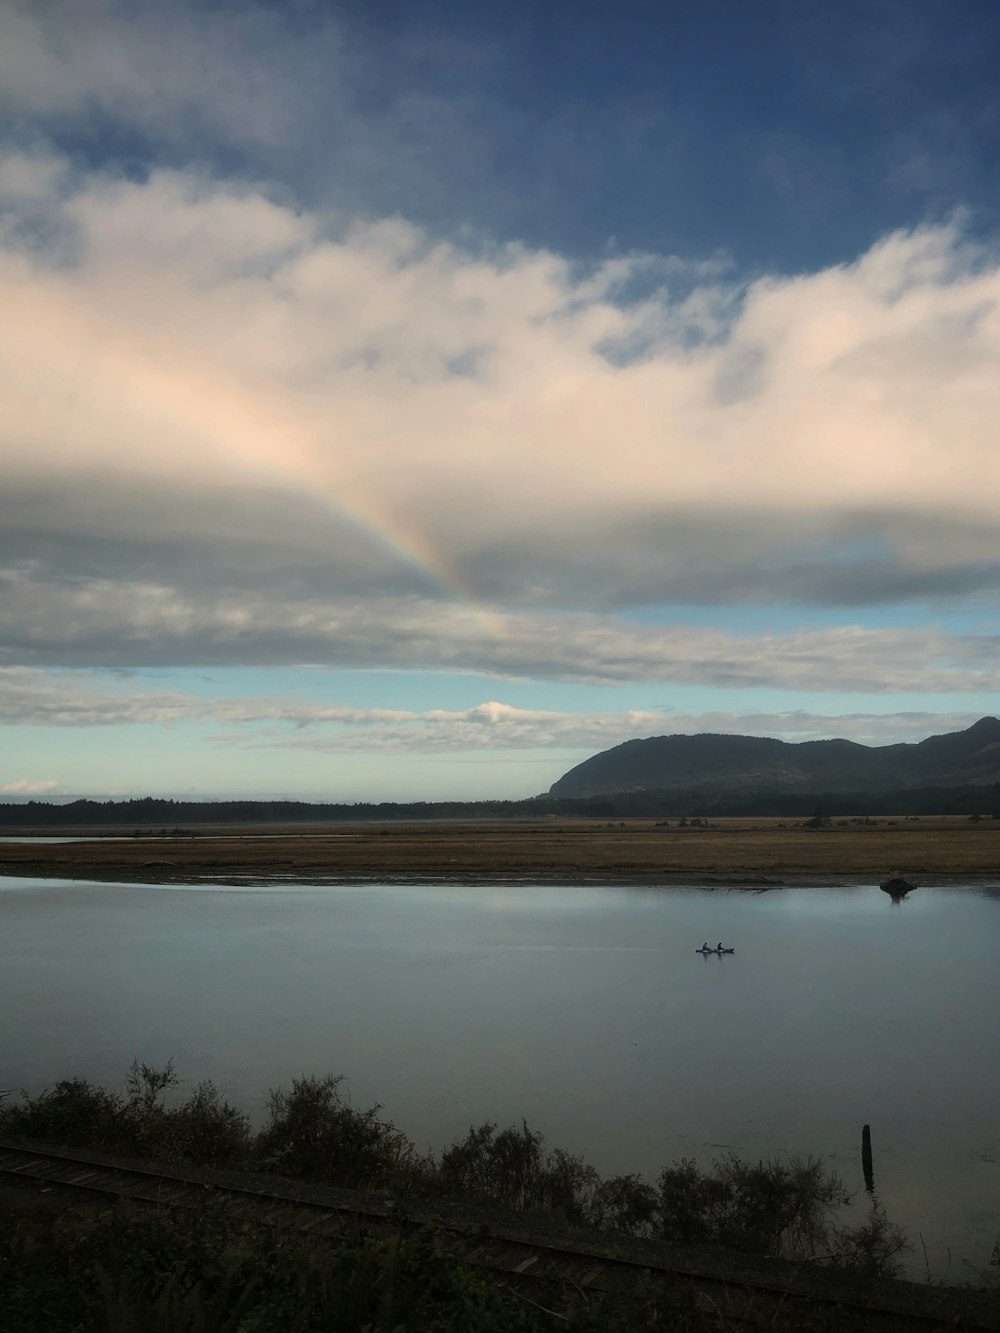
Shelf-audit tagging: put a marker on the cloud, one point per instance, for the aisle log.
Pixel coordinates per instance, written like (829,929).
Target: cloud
(97,622)
(452,119)
(200,71)
(496,726)
(29,787)
(338,107)
(237,430)
(38,698)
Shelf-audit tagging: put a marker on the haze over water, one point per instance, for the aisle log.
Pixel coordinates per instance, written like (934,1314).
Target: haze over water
(584,1010)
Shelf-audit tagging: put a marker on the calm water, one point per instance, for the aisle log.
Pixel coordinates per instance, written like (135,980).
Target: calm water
(585,1010)
(13,837)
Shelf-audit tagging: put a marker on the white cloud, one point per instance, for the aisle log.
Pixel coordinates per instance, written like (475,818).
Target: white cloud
(31,697)
(233,432)
(458,405)
(495,726)
(29,787)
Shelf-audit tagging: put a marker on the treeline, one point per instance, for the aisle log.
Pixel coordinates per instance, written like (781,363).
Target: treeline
(149,810)
(691,802)
(979,800)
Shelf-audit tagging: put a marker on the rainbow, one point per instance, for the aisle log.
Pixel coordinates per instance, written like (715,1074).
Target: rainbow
(304,461)
(209,419)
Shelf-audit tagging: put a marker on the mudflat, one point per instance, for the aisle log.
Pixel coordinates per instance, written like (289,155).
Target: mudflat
(925,850)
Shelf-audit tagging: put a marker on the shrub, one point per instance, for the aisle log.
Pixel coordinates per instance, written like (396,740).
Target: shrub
(145,1086)
(771,1208)
(511,1169)
(74,1112)
(501,1167)
(626,1204)
(203,1130)
(871,1249)
(689,1203)
(568,1186)
(314,1133)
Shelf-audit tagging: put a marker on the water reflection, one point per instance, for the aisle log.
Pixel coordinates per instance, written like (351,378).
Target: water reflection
(895,897)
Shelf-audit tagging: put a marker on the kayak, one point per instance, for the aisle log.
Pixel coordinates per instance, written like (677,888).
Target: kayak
(707,951)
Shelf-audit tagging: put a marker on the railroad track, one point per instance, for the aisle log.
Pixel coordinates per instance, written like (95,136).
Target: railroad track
(510,1256)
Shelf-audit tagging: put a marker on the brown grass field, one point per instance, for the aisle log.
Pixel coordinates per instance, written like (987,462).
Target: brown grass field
(928,850)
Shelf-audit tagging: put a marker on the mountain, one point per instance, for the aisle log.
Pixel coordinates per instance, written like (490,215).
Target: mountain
(750,763)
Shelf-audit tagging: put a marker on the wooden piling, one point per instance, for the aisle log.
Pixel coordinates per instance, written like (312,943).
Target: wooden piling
(866,1158)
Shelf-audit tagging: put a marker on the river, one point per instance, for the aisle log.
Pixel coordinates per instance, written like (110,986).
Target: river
(584,1010)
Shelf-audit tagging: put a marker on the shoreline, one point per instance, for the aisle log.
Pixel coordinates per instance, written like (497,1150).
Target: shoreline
(753,856)
(677,879)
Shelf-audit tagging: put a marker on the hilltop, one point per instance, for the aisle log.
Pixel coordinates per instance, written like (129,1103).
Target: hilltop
(711,763)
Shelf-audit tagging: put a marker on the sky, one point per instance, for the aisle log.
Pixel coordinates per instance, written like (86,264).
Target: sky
(406,401)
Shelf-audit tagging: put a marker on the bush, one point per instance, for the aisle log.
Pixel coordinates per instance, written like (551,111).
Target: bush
(689,1204)
(204,1130)
(510,1169)
(73,1112)
(771,1208)
(314,1133)
(871,1249)
(501,1168)
(626,1204)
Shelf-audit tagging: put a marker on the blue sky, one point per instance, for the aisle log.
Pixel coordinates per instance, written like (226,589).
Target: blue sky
(409,400)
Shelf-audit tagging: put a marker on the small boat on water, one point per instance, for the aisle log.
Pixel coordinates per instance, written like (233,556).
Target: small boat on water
(705,951)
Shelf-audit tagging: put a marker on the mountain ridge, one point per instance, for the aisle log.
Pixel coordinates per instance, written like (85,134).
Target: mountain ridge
(713,760)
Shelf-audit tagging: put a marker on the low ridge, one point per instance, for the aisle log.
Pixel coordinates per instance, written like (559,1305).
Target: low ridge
(751,763)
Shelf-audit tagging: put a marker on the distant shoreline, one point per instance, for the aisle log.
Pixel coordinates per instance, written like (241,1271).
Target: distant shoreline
(761,854)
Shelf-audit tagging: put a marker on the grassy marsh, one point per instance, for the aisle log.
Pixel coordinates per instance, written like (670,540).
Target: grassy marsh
(942,849)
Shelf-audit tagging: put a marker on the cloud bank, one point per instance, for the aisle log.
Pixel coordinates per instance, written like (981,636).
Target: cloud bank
(99,623)
(58,699)
(29,787)
(237,430)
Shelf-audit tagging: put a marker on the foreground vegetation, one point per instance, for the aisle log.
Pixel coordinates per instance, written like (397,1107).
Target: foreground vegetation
(153,1272)
(159,1273)
(312,1133)
(133,1268)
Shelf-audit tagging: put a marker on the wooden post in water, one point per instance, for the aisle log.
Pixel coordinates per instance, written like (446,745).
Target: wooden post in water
(866,1158)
